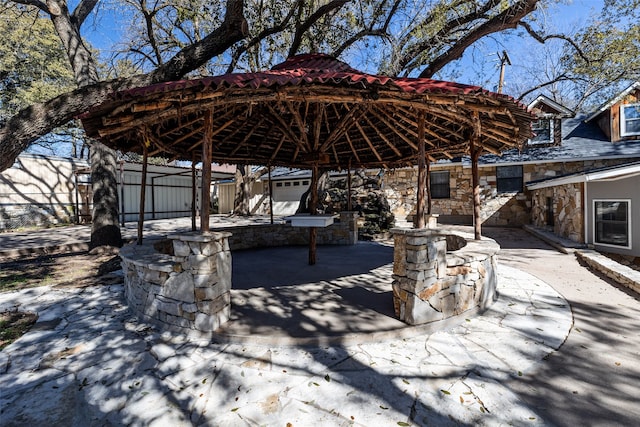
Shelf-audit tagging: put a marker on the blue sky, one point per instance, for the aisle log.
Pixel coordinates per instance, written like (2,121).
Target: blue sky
(479,65)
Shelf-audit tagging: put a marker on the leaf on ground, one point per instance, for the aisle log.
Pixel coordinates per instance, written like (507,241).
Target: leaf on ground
(461,399)
(327,378)
(234,409)
(405,381)
(578,330)
(445,391)
(383,407)
(519,373)
(204,381)
(403,424)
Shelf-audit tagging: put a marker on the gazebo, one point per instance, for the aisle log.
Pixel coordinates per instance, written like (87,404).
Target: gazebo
(312,111)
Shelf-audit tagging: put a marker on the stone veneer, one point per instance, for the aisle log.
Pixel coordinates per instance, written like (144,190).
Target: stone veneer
(342,232)
(438,274)
(498,209)
(568,210)
(183,284)
(188,292)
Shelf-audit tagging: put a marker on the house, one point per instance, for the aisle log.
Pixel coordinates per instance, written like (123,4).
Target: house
(42,190)
(600,204)
(578,176)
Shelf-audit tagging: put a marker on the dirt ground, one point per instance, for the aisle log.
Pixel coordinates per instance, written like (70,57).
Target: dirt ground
(63,270)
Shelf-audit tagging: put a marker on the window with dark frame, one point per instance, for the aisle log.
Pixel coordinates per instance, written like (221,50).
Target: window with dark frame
(543,131)
(509,179)
(630,119)
(611,222)
(439,185)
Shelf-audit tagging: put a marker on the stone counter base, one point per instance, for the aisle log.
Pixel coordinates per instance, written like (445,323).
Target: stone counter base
(189,292)
(439,274)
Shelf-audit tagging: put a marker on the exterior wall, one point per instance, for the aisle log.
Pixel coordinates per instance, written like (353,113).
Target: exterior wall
(437,275)
(342,232)
(167,195)
(38,190)
(614,117)
(188,292)
(625,189)
(568,210)
(506,209)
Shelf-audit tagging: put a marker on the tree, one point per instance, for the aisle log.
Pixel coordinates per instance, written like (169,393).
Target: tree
(585,68)
(33,67)
(189,37)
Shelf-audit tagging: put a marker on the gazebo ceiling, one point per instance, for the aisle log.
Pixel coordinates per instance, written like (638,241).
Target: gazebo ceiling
(309,110)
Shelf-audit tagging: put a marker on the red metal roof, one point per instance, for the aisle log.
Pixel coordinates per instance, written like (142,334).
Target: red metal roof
(309,69)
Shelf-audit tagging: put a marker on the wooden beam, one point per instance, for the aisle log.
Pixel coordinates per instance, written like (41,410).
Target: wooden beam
(298,120)
(247,137)
(143,189)
(371,146)
(395,129)
(286,129)
(313,206)
(205,208)
(419,220)
(342,126)
(475,151)
(193,191)
(384,138)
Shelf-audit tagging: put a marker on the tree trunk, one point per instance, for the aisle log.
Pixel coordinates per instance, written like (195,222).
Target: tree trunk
(105,230)
(241,204)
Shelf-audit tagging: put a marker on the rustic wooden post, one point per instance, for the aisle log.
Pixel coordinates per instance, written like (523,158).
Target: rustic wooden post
(143,190)
(313,205)
(193,191)
(349,206)
(419,220)
(123,210)
(270,196)
(475,150)
(205,209)
(428,185)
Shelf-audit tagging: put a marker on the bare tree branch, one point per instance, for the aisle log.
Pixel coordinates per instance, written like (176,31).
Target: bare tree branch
(509,18)
(83,10)
(542,39)
(39,119)
(304,27)
(263,35)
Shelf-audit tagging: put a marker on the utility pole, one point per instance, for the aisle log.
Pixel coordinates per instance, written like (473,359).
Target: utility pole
(504,60)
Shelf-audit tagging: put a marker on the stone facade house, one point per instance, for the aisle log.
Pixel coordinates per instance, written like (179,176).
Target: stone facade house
(569,178)
(599,204)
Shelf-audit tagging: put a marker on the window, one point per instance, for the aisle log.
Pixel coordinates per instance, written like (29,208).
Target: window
(509,179)
(630,119)
(278,184)
(612,222)
(543,130)
(439,185)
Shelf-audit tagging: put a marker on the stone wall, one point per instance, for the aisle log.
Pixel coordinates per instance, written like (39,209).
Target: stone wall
(187,292)
(343,231)
(568,210)
(183,284)
(437,276)
(498,209)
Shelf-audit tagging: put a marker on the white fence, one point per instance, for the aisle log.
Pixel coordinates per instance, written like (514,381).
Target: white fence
(42,190)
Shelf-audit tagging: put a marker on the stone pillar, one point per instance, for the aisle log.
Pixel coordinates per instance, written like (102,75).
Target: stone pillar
(437,276)
(203,264)
(350,218)
(418,265)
